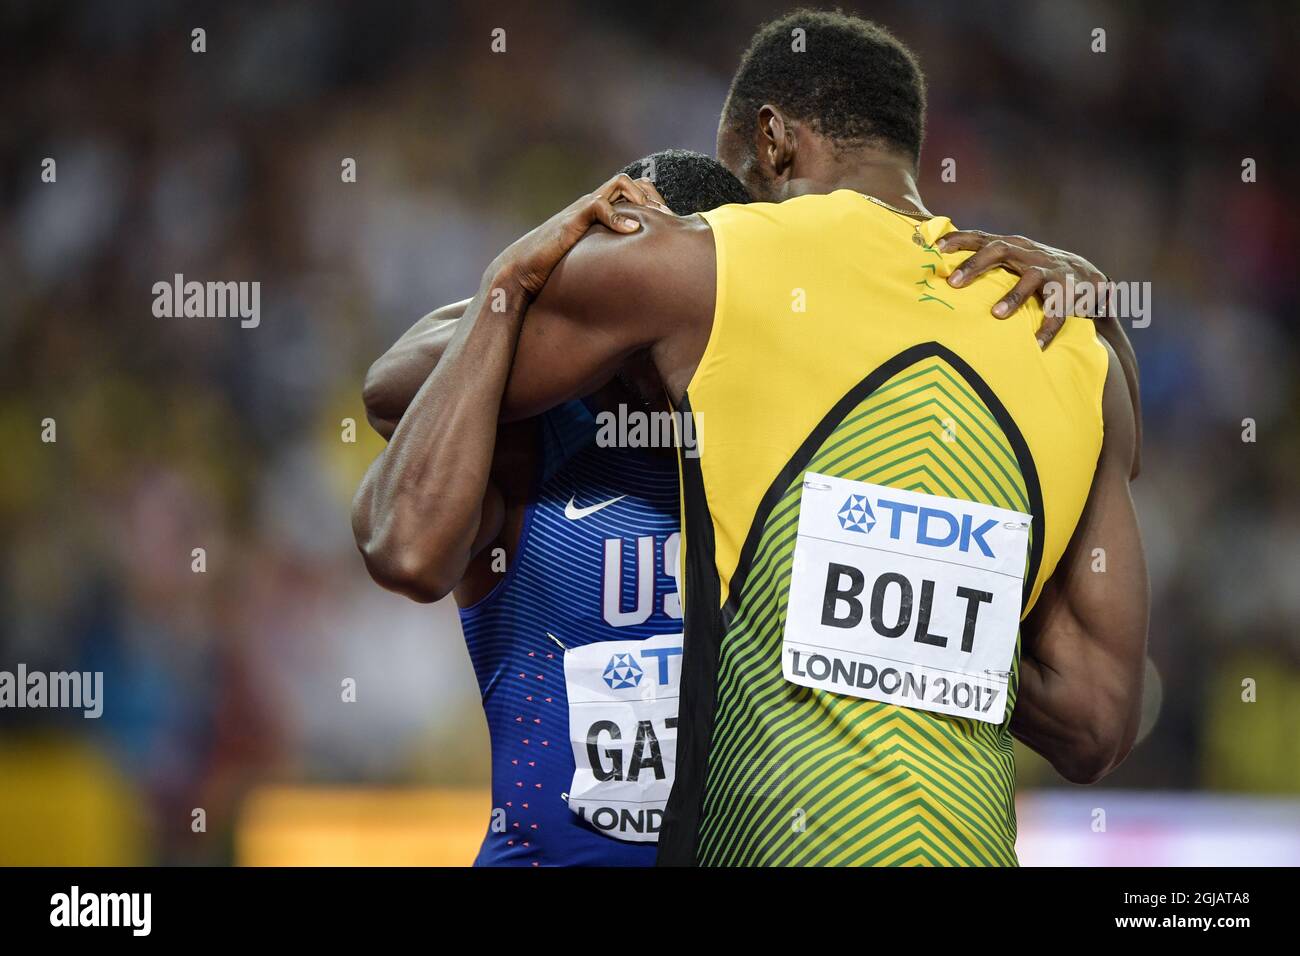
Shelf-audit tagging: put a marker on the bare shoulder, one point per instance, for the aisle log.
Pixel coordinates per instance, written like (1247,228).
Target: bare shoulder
(664,242)
(658,277)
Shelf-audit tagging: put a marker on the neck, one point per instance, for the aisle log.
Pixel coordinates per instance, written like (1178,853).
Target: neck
(883,175)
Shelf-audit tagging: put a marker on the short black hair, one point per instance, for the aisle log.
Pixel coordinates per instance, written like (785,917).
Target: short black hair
(852,79)
(690,182)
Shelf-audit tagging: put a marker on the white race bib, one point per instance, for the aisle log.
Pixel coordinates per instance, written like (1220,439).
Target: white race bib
(623,728)
(905,598)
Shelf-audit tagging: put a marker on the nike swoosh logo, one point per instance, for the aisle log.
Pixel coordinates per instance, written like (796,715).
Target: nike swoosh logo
(573,512)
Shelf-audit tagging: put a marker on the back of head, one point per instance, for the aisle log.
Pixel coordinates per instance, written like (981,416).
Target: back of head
(849,78)
(690,182)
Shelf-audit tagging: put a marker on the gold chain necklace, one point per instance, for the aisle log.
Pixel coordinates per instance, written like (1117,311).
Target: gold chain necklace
(910,213)
(917,238)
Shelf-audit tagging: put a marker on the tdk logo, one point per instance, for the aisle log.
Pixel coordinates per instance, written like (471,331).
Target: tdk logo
(933,527)
(856,515)
(623,672)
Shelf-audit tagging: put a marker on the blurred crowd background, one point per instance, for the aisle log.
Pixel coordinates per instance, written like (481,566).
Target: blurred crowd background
(223,687)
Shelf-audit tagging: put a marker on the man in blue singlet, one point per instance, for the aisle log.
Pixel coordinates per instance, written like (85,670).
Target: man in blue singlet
(570,610)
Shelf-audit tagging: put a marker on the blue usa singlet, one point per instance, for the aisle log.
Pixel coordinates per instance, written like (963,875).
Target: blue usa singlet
(577,652)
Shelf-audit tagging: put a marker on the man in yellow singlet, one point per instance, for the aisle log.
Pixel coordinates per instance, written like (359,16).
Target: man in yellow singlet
(908,533)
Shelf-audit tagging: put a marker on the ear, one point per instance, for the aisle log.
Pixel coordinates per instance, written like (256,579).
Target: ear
(776,143)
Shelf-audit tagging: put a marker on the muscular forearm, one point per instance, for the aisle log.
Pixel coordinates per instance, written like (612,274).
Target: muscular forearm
(424,508)
(397,375)
(421,507)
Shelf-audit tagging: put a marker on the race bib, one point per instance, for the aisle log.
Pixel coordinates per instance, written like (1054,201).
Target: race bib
(623,728)
(905,598)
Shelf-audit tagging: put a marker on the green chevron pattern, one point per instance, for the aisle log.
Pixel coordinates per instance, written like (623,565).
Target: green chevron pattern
(805,777)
